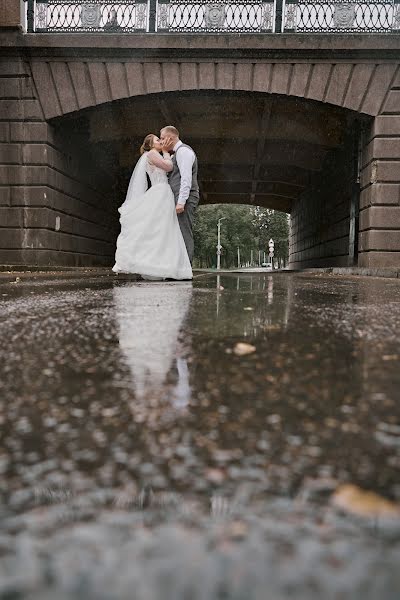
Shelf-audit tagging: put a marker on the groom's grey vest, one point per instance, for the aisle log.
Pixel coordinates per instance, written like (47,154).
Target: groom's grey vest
(175,177)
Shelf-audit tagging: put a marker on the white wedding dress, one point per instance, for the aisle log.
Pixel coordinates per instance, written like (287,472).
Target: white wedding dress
(151,243)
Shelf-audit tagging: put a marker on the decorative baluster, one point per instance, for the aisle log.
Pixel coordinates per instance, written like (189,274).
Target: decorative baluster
(289,17)
(396,16)
(152,15)
(278,16)
(30,14)
(163,15)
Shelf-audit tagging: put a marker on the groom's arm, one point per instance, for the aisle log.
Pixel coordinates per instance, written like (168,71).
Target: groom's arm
(185,160)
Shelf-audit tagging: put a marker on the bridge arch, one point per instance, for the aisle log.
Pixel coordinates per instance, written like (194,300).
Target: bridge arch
(282,152)
(71,85)
(59,194)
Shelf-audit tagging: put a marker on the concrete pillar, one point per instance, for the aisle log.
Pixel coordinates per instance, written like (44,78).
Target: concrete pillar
(10,13)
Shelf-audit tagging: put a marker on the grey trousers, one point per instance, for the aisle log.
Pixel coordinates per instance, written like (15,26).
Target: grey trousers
(186,220)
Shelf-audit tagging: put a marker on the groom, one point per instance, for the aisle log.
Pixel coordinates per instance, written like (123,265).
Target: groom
(183,182)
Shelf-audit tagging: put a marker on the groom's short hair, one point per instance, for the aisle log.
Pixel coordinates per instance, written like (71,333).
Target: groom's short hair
(171,130)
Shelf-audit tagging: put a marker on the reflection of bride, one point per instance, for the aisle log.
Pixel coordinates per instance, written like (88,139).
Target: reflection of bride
(150,319)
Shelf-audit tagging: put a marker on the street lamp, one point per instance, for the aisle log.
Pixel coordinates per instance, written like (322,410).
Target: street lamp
(219,247)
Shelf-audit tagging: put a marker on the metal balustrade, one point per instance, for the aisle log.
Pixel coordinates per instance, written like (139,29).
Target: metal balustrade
(210,16)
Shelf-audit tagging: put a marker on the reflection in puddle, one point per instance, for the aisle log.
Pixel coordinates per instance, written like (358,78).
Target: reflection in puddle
(149,328)
(92,377)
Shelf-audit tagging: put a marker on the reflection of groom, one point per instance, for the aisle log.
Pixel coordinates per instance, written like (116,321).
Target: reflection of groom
(183,182)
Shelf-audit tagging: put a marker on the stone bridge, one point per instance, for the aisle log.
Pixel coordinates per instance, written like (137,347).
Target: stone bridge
(303,122)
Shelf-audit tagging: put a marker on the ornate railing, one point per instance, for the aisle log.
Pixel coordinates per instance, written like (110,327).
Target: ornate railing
(198,16)
(52,16)
(338,16)
(213,16)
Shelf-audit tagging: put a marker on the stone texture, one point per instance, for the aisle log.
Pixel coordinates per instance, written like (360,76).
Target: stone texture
(319,80)
(48,213)
(82,84)
(261,76)
(152,77)
(379,240)
(299,79)
(383,148)
(380,171)
(243,77)
(378,89)
(46,90)
(338,83)
(62,79)
(118,80)
(280,78)
(380,217)
(135,78)
(380,193)
(358,86)
(10,13)
(206,73)
(392,104)
(379,259)
(10,88)
(15,110)
(10,154)
(320,218)
(170,76)
(386,125)
(101,85)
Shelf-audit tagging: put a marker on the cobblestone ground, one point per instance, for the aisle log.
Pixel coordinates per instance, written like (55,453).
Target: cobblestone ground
(237,437)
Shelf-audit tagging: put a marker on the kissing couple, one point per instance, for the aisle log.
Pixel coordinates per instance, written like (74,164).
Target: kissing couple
(156,239)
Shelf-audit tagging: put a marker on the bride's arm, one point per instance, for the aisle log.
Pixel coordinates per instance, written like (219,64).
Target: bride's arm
(163,162)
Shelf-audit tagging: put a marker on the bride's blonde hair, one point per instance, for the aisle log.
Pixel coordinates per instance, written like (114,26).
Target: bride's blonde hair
(148,143)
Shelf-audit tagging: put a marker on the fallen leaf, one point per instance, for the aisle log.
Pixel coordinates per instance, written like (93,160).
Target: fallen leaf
(216,476)
(352,499)
(241,349)
(238,530)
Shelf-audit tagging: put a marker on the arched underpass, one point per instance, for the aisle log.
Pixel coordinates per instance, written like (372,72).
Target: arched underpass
(290,154)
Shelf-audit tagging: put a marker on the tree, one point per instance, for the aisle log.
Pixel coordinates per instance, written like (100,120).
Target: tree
(273,224)
(245,227)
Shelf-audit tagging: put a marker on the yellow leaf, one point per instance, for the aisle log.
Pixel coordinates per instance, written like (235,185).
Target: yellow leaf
(352,499)
(241,349)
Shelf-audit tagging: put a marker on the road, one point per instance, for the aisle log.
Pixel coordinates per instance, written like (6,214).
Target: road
(185,440)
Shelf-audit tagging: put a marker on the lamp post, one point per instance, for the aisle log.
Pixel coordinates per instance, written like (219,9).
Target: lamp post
(219,247)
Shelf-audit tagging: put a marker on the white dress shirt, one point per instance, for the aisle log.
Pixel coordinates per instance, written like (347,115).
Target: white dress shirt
(184,159)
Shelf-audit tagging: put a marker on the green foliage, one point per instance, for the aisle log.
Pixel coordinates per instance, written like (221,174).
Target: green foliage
(248,228)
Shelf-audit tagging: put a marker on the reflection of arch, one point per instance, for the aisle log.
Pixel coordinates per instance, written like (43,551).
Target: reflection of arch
(66,86)
(150,318)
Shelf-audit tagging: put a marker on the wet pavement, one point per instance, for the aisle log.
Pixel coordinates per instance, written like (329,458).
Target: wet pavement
(144,456)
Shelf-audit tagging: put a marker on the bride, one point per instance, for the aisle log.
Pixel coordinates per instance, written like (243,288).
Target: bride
(150,243)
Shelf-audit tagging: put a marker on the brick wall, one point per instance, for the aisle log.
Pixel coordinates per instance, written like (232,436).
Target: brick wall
(52,207)
(380,187)
(320,219)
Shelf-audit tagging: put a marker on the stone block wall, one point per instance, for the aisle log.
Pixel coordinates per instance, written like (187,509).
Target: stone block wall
(379,240)
(10,13)
(320,218)
(53,210)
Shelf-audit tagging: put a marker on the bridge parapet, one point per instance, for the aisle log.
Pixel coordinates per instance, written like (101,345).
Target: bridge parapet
(211,16)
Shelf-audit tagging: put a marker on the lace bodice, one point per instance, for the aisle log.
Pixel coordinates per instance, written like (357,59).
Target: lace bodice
(156,174)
